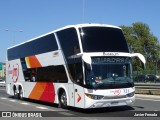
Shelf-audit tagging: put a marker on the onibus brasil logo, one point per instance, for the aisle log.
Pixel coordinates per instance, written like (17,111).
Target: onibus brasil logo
(13,72)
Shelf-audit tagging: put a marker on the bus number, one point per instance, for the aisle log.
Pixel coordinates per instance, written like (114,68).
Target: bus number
(126,91)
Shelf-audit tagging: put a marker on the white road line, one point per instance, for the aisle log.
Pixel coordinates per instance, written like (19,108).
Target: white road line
(3,98)
(65,113)
(43,108)
(25,103)
(30,104)
(147,99)
(13,100)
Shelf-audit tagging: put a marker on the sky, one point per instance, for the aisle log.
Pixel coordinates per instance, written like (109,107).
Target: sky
(21,20)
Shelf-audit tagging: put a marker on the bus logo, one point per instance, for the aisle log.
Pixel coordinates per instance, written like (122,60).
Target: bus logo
(116,92)
(13,72)
(79,98)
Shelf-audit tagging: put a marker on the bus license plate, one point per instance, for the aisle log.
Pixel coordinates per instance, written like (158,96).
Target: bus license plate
(115,102)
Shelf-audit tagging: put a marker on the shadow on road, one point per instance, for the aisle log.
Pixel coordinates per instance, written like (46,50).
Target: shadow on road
(102,110)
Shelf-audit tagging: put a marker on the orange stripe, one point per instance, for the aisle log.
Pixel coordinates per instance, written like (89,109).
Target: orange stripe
(33,62)
(38,90)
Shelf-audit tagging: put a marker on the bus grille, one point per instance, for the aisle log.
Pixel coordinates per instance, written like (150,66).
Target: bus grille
(115,97)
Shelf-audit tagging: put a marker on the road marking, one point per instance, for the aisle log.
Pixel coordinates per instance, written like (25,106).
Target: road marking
(31,104)
(43,108)
(147,99)
(25,103)
(65,113)
(3,98)
(12,100)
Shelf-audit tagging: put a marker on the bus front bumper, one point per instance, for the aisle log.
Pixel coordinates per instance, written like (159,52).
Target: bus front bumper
(111,103)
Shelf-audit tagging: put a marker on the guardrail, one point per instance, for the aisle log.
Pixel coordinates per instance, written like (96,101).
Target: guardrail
(148,85)
(148,88)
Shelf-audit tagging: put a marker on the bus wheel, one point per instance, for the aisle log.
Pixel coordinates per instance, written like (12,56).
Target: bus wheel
(20,94)
(63,99)
(15,93)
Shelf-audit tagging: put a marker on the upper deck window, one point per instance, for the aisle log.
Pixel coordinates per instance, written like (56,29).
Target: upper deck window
(68,39)
(103,39)
(38,46)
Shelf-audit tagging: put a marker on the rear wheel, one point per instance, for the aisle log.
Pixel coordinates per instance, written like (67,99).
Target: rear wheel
(63,99)
(20,94)
(15,93)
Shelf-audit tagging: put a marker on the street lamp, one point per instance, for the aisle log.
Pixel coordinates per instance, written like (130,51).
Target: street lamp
(14,32)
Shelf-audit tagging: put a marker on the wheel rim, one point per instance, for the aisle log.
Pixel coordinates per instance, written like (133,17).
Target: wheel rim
(64,99)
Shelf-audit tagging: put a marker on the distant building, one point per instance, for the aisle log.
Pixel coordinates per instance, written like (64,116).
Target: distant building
(3,71)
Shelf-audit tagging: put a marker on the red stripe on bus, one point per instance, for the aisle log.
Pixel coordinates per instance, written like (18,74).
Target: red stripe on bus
(48,94)
(44,92)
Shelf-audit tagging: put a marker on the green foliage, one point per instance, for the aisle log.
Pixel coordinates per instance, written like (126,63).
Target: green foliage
(141,40)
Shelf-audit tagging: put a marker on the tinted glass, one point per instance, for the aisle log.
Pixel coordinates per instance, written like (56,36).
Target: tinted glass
(41,45)
(55,74)
(69,42)
(103,39)
(76,72)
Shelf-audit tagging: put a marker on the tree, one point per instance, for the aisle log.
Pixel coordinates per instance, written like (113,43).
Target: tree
(141,40)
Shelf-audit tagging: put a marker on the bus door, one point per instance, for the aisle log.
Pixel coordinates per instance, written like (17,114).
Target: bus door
(79,96)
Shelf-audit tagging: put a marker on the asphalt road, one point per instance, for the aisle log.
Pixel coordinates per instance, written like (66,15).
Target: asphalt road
(22,108)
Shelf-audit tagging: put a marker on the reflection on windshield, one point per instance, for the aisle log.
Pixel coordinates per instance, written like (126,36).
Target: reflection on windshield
(109,74)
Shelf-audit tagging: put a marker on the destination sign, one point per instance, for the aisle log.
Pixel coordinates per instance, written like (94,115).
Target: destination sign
(110,60)
(110,54)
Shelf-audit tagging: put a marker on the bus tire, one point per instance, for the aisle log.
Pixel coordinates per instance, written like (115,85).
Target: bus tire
(14,92)
(63,99)
(20,94)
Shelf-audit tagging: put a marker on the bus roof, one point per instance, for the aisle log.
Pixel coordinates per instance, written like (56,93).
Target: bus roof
(69,26)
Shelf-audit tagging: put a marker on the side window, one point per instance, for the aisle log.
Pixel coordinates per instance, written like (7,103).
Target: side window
(76,72)
(52,74)
(68,39)
(40,45)
(55,74)
(69,42)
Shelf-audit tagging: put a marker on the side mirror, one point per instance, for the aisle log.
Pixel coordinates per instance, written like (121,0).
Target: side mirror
(87,58)
(87,61)
(141,57)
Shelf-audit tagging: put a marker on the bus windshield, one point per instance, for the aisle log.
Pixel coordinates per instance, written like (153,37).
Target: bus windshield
(106,38)
(103,76)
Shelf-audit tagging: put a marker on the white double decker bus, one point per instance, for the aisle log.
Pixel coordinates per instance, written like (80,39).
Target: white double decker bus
(84,66)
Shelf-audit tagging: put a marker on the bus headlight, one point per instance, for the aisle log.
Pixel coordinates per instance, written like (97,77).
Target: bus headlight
(130,94)
(95,97)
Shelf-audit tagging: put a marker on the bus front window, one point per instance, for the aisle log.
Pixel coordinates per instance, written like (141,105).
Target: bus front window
(103,76)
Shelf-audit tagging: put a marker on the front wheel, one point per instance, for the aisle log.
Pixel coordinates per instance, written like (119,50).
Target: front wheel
(63,99)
